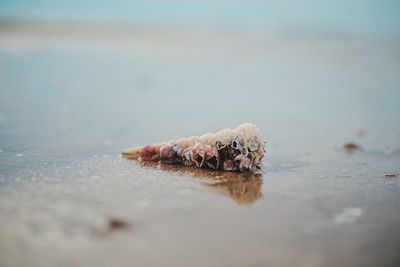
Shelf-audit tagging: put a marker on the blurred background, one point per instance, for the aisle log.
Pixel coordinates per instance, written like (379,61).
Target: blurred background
(283,64)
(81,80)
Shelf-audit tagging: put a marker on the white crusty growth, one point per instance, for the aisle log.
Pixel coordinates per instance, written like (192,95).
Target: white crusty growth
(247,131)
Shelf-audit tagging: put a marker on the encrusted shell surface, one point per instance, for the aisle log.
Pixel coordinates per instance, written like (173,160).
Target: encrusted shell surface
(238,149)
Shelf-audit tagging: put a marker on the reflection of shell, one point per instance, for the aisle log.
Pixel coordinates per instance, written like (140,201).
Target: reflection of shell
(243,188)
(243,191)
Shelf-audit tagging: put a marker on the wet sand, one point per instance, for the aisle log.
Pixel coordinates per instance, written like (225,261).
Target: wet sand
(69,104)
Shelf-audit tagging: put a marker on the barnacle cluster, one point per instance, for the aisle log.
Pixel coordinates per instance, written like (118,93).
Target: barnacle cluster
(240,149)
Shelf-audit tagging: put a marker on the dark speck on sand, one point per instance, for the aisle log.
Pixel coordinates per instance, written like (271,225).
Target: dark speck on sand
(351,147)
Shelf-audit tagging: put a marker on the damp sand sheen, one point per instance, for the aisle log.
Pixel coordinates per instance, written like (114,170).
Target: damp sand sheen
(240,149)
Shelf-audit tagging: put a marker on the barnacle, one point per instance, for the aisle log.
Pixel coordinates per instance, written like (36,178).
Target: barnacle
(186,157)
(230,165)
(212,157)
(240,149)
(149,152)
(167,153)
(198,155)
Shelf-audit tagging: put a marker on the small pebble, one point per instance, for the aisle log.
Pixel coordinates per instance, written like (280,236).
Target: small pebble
(115,224)
(351,147)
(360,132)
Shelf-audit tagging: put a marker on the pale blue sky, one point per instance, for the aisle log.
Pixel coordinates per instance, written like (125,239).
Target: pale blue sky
(355,16)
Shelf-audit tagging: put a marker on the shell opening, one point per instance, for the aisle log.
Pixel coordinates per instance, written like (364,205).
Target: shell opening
(213,163)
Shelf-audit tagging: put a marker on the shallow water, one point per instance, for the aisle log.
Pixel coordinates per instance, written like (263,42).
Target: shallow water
(70,101)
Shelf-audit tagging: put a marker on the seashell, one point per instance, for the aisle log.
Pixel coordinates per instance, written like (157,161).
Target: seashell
(241,148)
